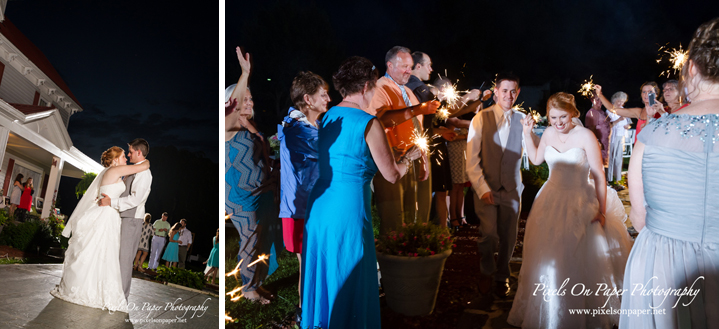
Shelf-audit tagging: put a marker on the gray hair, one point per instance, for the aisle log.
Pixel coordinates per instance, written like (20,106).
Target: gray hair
(672,82)
(619,95)
(228,94)
(392,53)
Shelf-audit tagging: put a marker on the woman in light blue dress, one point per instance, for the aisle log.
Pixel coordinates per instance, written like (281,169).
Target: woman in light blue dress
(672,275)
(172,249)
(339,274)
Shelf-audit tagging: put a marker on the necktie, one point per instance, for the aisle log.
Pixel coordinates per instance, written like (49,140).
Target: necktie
(504,129)
(407,102)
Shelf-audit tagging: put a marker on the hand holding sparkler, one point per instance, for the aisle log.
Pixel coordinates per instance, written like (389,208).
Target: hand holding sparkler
(426,108)
(528,124)
(486,94)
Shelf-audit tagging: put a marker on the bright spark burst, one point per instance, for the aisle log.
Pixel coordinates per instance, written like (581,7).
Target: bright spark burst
(535,115)
(259,259)
(237,269)
(228,318)
(227,216)
(442,114)
(518,107)
(587,89)
(421,140)
(677,57)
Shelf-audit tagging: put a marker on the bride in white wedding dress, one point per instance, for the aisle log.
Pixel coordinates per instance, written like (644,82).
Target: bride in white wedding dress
(575,244)
(91,270)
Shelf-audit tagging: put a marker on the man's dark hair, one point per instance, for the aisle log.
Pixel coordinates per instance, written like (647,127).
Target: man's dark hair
(394,51)
(506,76)
(165,214)
(183,220)
(141,145)
(417,58)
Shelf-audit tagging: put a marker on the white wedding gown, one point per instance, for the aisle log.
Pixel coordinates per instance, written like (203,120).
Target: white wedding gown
(562,243)
(91,271)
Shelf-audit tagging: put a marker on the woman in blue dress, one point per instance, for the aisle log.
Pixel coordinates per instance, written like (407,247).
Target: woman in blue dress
(299,168)
(172,249)
(213,263)
(339,274)
(672,274)
(249,187)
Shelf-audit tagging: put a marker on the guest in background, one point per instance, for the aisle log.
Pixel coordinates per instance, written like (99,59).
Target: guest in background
(17,188)
(161,227)
(671,97)
(298,157)
(184,243)
(251,189)
(26,198)
(619,125)
(213,263)
(144,247)
(639,113)
(598,123)
(170,255)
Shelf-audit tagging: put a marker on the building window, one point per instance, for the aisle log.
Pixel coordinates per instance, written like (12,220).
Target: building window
(42,102)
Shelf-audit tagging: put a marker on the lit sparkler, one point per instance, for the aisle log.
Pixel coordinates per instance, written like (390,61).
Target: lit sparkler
(587,87)
(677,57)
(421,140)
(535,115)
(228,318)
(237,269)
(261,258)
(518,107)
(442,114)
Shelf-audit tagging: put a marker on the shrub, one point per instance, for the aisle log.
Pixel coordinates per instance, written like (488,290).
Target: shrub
(183,277)
(28,236)
(415,240)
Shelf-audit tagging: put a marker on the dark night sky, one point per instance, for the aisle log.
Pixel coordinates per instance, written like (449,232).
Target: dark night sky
(562,42)
(139,69)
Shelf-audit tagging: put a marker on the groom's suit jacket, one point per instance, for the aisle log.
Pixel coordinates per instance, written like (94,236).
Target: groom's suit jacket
(131,203)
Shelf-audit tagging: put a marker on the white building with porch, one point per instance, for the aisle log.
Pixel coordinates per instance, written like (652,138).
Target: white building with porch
(35,109)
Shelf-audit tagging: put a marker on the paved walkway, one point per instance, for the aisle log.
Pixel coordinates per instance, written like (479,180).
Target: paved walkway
(25,302)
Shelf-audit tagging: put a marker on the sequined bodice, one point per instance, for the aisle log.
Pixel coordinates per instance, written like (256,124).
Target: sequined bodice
(680,170)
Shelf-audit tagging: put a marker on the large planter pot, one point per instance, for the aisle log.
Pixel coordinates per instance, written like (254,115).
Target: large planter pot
(411,283)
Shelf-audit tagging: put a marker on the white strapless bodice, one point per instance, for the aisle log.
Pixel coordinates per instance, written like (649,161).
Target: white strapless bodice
(568,169)
(113,190)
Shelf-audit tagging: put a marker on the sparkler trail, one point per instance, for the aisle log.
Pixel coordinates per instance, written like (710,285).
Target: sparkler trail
(587,88)
(677,58)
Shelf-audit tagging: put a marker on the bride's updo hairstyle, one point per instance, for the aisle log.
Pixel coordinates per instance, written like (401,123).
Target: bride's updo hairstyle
(109,155)
(704,52)
(563,101)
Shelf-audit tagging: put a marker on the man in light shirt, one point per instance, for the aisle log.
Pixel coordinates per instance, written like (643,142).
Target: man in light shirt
(131,206)
(184,244)
(494,154)
(162,228)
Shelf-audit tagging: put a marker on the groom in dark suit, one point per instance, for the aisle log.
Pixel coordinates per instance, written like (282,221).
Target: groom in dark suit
(131,205)
(494,154)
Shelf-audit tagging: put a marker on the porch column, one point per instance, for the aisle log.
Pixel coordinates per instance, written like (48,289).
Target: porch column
(52,184)
(4,135)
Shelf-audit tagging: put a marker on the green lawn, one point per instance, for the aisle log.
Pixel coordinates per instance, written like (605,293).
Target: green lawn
(283,283)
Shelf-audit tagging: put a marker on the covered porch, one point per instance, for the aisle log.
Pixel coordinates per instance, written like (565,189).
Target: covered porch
(34,142)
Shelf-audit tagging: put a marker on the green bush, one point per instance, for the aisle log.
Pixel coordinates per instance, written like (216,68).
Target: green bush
(415,240)
(3,216)
(535,175)
(28,236)
(183,277)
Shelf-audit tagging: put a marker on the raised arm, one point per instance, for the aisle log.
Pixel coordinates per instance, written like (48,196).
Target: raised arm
(636,187)
(391,118)
(535,153)
(239,92)
(596,168)
(475,106)
(114,173)
(376,139)
(634,112)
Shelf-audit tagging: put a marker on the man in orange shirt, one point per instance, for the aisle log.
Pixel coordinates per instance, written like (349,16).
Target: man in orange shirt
(396,106)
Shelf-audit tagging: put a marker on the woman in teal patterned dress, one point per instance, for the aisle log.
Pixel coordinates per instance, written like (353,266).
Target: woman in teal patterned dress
(339,276)
(213,263)
(250,187)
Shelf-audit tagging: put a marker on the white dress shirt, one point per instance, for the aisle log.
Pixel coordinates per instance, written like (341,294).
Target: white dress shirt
(474,145)
(185,237)
(138,194)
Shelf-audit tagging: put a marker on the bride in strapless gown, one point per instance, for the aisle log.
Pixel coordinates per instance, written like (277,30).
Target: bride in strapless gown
(91,269)
(575,244)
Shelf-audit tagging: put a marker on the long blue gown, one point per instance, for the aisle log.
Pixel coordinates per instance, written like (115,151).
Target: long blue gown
(678,249)
(339,273)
